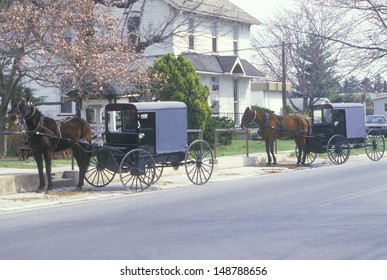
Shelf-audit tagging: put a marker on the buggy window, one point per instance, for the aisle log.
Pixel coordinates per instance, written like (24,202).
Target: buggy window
(123,120)
(323,115)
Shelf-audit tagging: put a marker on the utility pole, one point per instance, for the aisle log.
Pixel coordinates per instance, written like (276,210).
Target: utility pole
(284,110)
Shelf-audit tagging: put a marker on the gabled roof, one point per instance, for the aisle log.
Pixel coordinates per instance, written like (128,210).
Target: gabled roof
(384,96)
(216,64)
(215,8)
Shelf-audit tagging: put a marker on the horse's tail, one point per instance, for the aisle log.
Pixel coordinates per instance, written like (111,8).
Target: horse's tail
(87,132)
(307,133)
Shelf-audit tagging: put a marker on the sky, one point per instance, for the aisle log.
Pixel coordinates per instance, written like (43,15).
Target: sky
(259,8)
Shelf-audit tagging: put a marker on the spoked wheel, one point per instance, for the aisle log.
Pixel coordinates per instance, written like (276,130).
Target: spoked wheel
(310,156)
(374,145)
(158,172)
(137,170)
(338,149)
(199,162)
(102,167)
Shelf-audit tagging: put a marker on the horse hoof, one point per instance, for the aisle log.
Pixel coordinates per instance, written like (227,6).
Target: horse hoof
(39,190)
(49,192)
(77,189)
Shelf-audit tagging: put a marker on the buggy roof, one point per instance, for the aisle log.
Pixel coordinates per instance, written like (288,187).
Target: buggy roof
(148,106)
(340,105)
(346,105)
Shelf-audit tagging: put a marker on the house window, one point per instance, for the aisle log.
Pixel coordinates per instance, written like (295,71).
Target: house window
(191,37)
(133,26)
(66,85)
(385,107)
(215,95)
(214,45)
(236,101)
(66,107)
(235,39)
(214,31)
(67,36)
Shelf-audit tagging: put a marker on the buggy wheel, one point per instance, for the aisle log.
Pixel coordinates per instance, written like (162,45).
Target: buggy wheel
(199,162)
(137,170)
(338,149)
(374,145)
(310,156)
(158,172)
(102,166)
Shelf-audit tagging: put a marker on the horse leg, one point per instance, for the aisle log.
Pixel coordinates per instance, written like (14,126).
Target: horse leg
(272,152)
(82,157)
(299,148)
(39,162)
(300,153)
(267,145)
(84,164)
(303,148)
(47,159)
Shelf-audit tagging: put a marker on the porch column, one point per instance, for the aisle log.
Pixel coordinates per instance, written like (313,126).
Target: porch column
(98,117)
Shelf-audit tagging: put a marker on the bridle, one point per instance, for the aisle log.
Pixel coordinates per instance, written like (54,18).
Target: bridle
(26,114)
(28,107)
(264,122)
(255,115)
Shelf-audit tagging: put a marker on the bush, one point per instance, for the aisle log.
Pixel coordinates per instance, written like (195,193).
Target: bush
(225,138)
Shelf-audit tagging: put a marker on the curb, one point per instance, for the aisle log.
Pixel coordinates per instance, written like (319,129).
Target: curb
(28,180)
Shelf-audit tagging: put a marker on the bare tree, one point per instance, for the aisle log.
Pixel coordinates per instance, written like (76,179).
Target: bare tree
(52,42)
(368,32)
(311,59)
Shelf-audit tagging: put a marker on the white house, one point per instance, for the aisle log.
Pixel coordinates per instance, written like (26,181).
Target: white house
(380,105)
(213,34)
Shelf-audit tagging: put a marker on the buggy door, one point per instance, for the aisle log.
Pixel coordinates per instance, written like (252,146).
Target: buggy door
(121,125)
(323,121)
(340,122)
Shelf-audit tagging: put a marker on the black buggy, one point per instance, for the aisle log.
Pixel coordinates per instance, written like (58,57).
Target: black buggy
(336,128)
(140,139)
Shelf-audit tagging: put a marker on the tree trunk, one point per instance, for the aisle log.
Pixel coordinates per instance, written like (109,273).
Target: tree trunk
(2,129)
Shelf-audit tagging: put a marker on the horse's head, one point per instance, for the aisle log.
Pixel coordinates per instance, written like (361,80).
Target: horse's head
(248,117)
(24,109)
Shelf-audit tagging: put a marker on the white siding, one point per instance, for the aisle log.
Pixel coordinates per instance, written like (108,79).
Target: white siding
(156,14)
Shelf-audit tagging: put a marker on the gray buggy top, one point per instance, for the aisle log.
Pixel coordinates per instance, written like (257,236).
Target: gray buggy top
(348,119)
(163,125)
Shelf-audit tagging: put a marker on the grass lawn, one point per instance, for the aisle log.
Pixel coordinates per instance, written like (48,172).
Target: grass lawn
(30,163)
(238,147)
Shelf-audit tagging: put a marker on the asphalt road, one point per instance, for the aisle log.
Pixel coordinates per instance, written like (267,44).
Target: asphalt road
(334,212)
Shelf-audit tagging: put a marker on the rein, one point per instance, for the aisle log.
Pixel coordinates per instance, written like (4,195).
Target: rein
(33,113)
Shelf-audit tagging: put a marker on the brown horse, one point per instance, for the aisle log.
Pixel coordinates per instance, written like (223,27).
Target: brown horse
(46,136)
(273,127)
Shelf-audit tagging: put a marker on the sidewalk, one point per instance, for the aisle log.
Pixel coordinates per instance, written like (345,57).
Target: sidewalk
(227,168)
(26,180)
